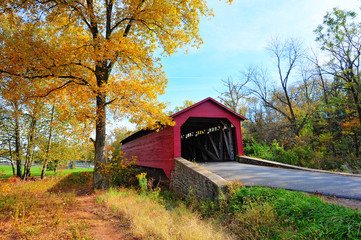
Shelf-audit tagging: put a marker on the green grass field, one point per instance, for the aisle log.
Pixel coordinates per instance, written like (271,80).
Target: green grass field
(6,171)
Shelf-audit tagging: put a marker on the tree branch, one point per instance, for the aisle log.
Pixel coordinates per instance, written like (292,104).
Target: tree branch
(107,103)
(55,89)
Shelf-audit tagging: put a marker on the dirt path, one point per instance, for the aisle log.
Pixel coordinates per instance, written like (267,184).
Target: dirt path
(103,224)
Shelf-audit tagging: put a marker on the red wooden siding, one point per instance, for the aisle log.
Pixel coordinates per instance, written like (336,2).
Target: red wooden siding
(153,150)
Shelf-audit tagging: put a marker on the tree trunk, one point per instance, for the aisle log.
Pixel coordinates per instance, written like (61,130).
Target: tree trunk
(99,178)
(356,144)
(293,120)
(29,149)
(17,142)
(45,164)
(11,158)
(356,100)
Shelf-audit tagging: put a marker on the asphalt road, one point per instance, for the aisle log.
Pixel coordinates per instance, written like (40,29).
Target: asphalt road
(305,181)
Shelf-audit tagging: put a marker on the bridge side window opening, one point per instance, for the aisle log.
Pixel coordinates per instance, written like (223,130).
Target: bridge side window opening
(208,139)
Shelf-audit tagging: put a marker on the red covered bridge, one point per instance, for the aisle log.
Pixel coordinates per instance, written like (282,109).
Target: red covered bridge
(205,131)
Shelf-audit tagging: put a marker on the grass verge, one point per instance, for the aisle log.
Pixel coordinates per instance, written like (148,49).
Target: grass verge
(266,213)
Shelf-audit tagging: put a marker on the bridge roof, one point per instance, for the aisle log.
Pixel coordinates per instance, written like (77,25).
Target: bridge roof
(209,99)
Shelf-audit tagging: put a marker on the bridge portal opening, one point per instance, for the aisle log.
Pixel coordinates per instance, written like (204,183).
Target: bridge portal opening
(208,139)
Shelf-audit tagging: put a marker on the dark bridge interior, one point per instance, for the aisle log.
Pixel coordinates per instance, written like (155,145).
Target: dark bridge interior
(208,139)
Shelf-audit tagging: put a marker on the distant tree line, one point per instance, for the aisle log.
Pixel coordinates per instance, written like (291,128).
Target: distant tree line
(32,131)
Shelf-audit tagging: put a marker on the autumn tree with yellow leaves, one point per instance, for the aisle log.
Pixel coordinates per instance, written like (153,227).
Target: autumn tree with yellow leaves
(103,55)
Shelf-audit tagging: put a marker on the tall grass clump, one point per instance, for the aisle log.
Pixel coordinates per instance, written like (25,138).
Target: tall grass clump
(150,218)
(143,182)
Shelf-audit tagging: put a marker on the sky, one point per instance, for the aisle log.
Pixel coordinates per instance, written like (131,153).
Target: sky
(237,37)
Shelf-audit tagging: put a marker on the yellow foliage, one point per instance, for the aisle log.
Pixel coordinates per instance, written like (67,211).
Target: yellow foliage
(110,168)
(96,57)
(94,49)
(4,188)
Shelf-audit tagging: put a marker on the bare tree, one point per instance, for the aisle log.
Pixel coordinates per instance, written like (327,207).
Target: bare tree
(234,93)
(288,57)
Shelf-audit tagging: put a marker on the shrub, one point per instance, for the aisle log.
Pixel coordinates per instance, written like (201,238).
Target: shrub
(275,152)
(260,150)
(302,156)
(121,172)
(142,182)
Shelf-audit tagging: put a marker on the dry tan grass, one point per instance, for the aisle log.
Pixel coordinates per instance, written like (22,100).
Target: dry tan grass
(29,211)
(149,219)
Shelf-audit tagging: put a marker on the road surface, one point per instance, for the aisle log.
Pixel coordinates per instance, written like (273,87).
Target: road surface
(305,181)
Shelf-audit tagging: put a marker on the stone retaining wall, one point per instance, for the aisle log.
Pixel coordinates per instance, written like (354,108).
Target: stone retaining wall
(187,176)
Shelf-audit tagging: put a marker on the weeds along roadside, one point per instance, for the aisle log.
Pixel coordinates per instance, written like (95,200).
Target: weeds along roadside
(249,213)
(37,209)
(266,213)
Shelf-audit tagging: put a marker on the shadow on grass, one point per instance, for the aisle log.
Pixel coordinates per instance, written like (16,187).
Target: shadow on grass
(81,183)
